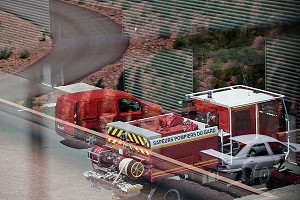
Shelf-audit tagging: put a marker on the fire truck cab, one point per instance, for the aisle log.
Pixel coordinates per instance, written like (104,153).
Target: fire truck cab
(239,110)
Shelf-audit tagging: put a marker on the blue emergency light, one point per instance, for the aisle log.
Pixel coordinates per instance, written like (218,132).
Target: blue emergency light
(209,94)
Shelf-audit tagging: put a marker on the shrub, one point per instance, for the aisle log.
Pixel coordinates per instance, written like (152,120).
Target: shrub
(29,102)
(24,54)
(99,84)
(81,1)
(178,44)
(5,53)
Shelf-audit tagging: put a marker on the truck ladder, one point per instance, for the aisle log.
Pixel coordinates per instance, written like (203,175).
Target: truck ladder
(223,134)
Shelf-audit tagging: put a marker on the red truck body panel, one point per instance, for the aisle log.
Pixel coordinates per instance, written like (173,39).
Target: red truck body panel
(93,109)
(168,135)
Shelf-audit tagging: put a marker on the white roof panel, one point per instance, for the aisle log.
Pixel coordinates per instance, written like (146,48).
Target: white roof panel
(77,87)
(237,97)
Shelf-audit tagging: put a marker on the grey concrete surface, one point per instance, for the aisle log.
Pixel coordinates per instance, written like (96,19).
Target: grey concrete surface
(291,192)
(35,165)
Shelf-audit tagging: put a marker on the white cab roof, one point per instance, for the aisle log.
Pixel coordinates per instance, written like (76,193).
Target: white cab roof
(236,96)
(77,87)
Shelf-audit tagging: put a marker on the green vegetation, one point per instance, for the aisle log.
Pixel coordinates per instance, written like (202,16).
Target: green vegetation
(99,83)
(24,54)
(81,1)
(5,54)
(232,57)
(29,102)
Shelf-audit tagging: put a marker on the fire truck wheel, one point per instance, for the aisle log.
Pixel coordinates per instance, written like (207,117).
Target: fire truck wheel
(172,194)
(137,169)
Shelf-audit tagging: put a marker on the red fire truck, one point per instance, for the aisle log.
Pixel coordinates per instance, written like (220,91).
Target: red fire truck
(209,117)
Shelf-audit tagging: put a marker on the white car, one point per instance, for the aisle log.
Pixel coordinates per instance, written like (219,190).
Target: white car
(252,155)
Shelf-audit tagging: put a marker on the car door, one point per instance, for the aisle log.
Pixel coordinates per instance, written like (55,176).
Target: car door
(107,112)
(258,157)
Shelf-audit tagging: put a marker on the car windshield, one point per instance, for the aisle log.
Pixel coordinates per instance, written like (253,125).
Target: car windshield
(236,147)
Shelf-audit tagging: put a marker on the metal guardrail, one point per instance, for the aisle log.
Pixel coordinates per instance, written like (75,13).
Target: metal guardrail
(48,121)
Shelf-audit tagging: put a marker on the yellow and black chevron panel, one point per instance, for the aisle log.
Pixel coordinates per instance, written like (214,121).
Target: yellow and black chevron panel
(130,136)
(138,139)
(115,141)
(114,131)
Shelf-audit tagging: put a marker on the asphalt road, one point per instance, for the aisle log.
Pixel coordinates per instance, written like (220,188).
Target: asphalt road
(84,42)
(35,165)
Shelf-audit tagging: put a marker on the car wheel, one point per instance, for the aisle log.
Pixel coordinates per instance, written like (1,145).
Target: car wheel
(248,177)
(264,175)
(172,194)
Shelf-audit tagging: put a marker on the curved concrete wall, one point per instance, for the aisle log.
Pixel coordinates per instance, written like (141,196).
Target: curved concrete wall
(36,11)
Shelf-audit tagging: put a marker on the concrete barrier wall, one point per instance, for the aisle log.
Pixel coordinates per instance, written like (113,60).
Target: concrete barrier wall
(36,11)
(23,24)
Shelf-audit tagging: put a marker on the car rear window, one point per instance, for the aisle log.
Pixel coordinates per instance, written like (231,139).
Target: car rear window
(277,147)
